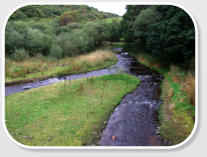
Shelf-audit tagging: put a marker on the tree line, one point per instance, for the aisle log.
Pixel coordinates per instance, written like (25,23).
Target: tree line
(166,32)
(67,34)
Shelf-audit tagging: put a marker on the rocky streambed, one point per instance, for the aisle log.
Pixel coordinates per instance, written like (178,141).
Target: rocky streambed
(134,121)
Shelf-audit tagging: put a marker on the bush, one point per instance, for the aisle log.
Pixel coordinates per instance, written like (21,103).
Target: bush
(38,42)
(14,38)
(71,32)
(166,32)
(56,51)
(68,18)
(20,54)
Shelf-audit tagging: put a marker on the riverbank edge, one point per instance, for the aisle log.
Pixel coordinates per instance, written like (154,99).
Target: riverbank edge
(171,121)
(31,80)
(126,77)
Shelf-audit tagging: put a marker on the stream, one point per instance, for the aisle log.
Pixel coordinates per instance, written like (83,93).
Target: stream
(134,121)
(118,67)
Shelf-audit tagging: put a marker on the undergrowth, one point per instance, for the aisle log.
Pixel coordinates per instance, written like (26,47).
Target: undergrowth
(44,67)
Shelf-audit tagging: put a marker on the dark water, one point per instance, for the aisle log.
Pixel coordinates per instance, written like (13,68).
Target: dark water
(134,122)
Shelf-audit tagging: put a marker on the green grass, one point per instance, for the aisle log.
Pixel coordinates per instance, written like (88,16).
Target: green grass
(109,20)
(176,123)
(42,67)
(67,113)
(177,112)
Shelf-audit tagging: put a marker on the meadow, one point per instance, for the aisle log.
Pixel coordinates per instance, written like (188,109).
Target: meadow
(40,67)
(74,113)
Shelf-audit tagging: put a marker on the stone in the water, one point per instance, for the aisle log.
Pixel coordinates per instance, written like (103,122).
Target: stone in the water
(117,49)
(27,87)
(125,53)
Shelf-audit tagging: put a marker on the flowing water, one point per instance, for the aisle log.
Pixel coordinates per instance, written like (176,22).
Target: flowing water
(134,121)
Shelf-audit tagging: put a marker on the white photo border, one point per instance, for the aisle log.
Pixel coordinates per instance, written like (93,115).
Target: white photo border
(101,147)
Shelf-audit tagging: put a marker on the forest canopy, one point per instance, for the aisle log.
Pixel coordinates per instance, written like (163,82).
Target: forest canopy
(58,31)
(166,32)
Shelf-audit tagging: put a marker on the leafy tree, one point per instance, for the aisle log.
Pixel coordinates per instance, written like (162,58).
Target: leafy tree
(56,51)
(165,31)
(146,17)
(129,17)
(58,31)
(172,39)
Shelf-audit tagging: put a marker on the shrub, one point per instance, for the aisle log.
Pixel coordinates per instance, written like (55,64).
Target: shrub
(20,54)
(71,32)
(56,51)
(38,42)
(62,29)
(75,42)
(68,17)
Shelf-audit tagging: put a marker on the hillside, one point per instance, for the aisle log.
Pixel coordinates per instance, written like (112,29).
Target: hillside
(58,31)
(70,13)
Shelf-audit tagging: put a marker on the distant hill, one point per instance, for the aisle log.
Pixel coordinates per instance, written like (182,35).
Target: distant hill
(64,13)
(58,30)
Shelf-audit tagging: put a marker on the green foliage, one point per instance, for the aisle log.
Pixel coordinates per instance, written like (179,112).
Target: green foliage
(20,54)
(56,51)
(115,30)
(145,18)
(38,42)
(74,30)
(172,39)
(166,32)
(68,18)
(90,36)
(84,13)
(128,20)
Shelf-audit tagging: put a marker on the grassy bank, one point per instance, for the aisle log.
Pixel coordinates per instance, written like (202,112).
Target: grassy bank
(74,113)
(177,112)
(44,67)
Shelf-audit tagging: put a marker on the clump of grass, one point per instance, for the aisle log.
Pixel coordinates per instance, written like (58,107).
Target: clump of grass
(20,55)
(151,62)
(43,67)
(188,86)
(175,74)
(58,115)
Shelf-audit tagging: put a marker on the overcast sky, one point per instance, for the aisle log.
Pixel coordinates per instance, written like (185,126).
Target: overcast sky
(117,8)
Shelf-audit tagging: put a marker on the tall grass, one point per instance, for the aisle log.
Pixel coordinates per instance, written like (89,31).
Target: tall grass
(188,86)
(40,66)
(177,112)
